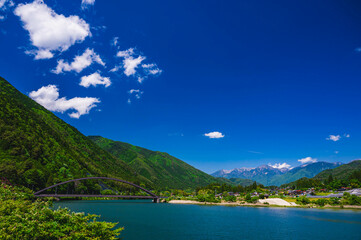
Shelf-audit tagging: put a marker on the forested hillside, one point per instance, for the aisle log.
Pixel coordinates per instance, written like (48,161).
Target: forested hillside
(344,175)
(162,169)
(341,172)
(38,149)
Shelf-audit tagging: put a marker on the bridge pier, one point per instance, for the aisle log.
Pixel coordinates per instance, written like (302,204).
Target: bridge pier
(156,200)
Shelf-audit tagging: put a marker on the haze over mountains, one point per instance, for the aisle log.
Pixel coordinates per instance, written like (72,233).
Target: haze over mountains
(268,175)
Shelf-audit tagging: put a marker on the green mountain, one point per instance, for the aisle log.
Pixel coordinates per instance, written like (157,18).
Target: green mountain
(306,170)
(345,172)
(341,172)
(241,181)
(38,149)
(162,169)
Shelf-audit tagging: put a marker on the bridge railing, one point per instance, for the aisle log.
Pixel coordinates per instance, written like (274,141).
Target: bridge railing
(152,195)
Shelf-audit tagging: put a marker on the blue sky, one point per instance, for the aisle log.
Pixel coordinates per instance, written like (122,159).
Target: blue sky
(270,81)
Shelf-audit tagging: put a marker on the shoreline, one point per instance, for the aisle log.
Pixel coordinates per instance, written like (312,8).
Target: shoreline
(239,204)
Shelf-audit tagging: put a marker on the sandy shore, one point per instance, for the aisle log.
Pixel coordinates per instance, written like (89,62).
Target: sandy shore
(271,201)
(277,201)
(203,203)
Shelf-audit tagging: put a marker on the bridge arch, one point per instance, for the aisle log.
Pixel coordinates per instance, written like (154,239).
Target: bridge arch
(152,195)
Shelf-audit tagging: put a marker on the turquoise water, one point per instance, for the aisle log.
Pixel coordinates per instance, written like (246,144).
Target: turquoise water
(145,220)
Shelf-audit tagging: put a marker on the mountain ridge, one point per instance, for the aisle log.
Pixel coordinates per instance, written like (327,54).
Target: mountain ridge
(268,175)
(38,149)
(159,167)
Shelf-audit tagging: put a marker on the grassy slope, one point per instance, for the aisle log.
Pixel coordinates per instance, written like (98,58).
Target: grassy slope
(37,148)
(161,168)
(341,172)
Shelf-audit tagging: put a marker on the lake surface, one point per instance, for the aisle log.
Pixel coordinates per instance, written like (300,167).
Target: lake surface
(146,220)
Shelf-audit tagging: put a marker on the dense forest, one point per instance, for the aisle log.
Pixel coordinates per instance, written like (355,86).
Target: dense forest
(345,175)
(162,169)
(38,149)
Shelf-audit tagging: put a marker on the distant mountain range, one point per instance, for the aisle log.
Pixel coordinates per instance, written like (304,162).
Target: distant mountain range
(343,172)
(268,175)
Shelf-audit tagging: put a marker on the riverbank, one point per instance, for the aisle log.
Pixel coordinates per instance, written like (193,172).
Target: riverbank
(272,202)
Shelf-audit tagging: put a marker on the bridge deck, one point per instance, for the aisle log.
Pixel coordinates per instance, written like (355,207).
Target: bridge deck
(85,195)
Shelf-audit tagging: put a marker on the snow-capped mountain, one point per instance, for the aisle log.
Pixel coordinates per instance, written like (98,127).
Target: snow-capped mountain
(269,175)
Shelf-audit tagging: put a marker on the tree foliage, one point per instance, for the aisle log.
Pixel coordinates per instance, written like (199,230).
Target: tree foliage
(21,218)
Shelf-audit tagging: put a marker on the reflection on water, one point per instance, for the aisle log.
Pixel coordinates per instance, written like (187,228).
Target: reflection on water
(333,220)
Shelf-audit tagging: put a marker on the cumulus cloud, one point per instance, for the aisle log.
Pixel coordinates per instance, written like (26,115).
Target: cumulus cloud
(79,63)
(5,5)
(126,53)
(214,135)
(280,165)
(86,3)
(94,80)
(307,160)
(151,69)
(2,3)
(346,135)
(334,138)
(130,64)
(49,31)
(136,93)
(48,97)
(133,66)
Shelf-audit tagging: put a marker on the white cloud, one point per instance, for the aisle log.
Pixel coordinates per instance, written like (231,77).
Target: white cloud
(48,97)
(130,64)
(136,92)
(307,160)
(214,135)
(86,3)
(151,69)
(50,31)
(115,41)
(94,80)
(358,49)
(133,65)
(126,53)
(280,165)
(336,152)
(4,4)
(334,138)
(347,135)
(79,63)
